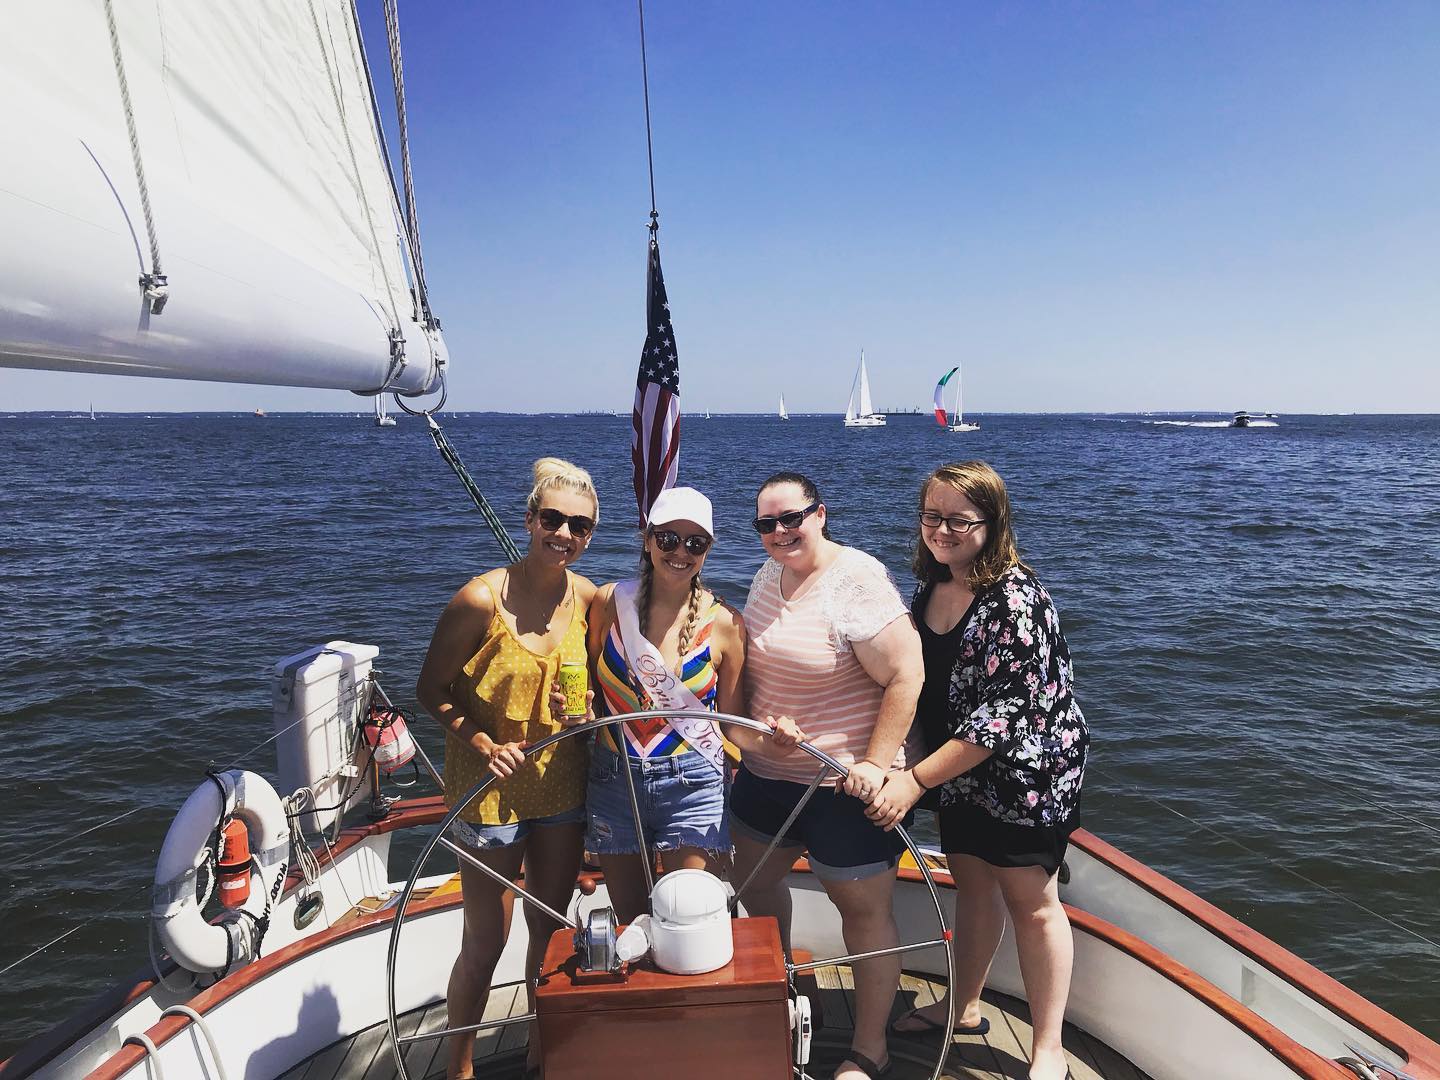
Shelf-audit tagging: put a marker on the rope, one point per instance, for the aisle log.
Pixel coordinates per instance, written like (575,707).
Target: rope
(412,216)
(512,553)
(397,336)
(199,1022)
(150,1051)
(153,282)
(649,143)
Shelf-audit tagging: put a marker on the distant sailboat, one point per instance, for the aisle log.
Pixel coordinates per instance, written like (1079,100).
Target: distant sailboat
(865,415)
(92,410)
(382,418)
(957,420)
(783,414)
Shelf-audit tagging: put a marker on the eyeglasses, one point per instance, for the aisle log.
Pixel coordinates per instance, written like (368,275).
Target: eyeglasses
(551,519)
(931,520)
(667,540)
(791,519)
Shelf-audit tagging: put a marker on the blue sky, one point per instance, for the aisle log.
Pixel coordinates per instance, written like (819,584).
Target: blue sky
(1116,206)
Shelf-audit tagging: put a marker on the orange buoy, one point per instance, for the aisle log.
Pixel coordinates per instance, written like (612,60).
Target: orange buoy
(232,867)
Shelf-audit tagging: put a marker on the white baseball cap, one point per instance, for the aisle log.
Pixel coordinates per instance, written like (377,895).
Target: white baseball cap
(682,504)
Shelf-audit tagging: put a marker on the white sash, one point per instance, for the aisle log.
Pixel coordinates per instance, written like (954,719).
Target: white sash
(661,685)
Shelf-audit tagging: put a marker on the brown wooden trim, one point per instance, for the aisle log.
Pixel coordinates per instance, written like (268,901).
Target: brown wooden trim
(1304,1061)
(44,1048)
(166,1028)
(1422,1056)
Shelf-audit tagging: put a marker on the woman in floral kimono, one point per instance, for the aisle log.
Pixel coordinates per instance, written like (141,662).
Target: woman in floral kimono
(1007,745)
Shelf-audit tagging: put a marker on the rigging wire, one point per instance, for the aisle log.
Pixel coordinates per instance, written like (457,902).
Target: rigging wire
(396,334)
(1267,859)
(412,216)
(153,281)
(649,142)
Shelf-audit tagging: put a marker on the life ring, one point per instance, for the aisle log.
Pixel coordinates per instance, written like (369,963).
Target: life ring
(234,939)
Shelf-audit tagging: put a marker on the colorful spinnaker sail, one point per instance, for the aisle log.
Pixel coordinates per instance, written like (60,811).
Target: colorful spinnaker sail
(940,417)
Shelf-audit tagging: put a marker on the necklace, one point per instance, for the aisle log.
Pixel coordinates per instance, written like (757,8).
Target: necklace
(554,607)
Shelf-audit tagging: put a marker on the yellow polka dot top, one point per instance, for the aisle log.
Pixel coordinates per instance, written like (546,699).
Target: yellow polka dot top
(505,689)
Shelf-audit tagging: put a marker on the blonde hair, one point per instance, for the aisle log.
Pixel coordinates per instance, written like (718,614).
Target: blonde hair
(551,473)
(982,485)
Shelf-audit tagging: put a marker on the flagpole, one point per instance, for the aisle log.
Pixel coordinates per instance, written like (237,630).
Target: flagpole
(649,143)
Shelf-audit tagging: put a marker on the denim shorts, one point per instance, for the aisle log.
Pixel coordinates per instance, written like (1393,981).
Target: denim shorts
(488,837)
(681,800)
(842,843)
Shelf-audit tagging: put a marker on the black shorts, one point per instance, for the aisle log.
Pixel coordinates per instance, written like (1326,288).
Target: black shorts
(965,829)
(843,844)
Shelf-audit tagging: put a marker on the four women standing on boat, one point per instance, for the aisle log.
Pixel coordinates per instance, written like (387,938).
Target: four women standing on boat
(829,654)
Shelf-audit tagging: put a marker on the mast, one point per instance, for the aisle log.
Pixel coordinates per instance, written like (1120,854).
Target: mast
(865,406)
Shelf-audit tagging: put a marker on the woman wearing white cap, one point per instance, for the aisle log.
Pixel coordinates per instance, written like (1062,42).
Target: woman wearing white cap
(662,640)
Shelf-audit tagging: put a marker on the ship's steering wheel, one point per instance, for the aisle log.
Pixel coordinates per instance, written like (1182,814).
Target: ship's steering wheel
(828,765)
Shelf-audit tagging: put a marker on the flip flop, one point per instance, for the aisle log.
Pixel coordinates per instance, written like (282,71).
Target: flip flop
(932,1025)
(865,1065)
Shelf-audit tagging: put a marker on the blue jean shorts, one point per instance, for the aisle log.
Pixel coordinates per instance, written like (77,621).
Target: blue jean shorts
(489,837)
(681,800)
(841,842)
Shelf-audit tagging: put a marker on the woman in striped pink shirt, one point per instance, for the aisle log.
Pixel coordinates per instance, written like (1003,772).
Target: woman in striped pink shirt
(834,658)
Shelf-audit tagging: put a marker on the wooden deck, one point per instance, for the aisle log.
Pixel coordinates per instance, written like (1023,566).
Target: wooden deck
(1003,1054)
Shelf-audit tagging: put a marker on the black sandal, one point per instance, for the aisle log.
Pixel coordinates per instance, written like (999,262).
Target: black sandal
(865,1065)
(932,1025)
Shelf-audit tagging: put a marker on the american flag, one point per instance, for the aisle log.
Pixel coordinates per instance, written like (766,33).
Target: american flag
(655,441)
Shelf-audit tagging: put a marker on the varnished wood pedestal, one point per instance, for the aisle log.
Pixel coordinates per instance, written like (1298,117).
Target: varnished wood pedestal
(723,1025)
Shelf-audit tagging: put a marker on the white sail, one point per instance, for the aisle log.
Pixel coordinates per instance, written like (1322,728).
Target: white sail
(866,408)
(862,414)
(276,222)
(957,422)
(783,414)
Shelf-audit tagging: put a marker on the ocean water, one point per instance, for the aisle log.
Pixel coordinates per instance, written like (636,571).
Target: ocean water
(1254,617)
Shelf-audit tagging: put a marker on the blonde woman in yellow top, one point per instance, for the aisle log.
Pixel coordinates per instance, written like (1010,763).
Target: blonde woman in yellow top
(488,678)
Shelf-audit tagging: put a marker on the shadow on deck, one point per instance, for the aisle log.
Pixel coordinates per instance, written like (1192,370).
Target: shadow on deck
(1003,1054)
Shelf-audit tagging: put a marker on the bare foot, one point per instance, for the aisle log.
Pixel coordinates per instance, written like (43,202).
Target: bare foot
(1048,1065)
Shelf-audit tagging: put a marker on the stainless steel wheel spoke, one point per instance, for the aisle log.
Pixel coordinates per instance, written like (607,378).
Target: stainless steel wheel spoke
(465,1029)
(500,879)
(618,732)
(810,965)
(775,840)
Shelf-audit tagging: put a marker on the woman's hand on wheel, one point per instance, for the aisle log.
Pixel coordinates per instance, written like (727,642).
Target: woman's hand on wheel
(505,758)
(785,734)
(559,703)
(895,800)
(864,781)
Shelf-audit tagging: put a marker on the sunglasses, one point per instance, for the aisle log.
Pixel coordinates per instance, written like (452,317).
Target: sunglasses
(551,519)
(791,519)
(667,540)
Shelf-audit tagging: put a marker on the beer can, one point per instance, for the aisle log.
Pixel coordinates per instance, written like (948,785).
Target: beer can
(574,680)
